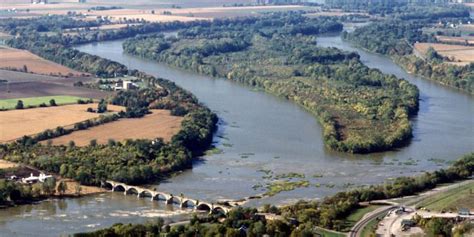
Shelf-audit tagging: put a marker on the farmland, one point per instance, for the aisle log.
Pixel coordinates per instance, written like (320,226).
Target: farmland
(187,10)
(20,85)
(456,40)
(457,54)
(157,124)
(36,101)
(17,123)
(17,60)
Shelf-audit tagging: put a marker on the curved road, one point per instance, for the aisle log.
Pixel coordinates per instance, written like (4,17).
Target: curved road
(359,226)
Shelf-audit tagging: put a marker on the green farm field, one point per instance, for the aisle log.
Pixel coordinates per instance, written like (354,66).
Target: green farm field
(36,101)
(452,200)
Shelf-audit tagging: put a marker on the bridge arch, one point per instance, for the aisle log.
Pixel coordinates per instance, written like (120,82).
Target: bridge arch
(132,190)
(203,207)
(188,203)
(173,200)
(118,188)
(161,197)
(219,210)
(108,185)
(146,193)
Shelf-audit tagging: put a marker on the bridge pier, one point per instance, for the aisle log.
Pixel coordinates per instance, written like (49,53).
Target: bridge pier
(181,200)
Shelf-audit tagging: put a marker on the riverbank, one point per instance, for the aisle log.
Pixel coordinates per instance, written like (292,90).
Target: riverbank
(360,110)
(247,125)
(380,38)
(305,216)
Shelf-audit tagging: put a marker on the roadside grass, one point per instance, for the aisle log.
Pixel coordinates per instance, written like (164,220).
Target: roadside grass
(371,227)
(452,200)
(326,233)
(36,101)
(357,215)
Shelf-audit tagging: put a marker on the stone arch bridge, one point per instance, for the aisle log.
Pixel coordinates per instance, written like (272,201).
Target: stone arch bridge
(181,200)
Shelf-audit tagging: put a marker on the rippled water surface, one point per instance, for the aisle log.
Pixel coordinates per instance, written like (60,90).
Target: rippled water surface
(260,131)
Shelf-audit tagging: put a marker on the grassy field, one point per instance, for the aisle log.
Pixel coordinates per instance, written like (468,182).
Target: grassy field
(371,226)
(452,200)
(17,59)
(158,124)
(355,216)
(19,122)
(35,101)
(326,233)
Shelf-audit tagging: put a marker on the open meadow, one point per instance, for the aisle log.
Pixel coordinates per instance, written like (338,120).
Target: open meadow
(157,124)
(458,54)
(36,101)
(452,200)
(19,59)
(17,123)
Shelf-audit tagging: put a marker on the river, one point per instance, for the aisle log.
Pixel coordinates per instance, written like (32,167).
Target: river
(258,131)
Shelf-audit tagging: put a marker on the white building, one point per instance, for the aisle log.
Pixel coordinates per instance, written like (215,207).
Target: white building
(34,179)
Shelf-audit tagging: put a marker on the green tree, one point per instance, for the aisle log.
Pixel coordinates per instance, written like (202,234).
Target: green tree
(77,189)
(102,107)
(49,186)
(62,187)
(52,102)
(19,105)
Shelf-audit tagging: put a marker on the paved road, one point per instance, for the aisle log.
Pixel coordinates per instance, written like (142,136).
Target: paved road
(359,226)
(413,201)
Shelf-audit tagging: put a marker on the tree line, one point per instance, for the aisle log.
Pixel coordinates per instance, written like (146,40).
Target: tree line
(332,84)
(395,38)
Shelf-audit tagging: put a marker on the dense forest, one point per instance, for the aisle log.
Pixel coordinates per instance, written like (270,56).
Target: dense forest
(300,219)
(132,161)
(396,37)
(361,109)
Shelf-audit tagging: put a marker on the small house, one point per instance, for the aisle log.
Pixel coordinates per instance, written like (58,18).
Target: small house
(34,179)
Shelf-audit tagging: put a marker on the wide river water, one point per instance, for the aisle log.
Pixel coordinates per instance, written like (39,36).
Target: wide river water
(258,131)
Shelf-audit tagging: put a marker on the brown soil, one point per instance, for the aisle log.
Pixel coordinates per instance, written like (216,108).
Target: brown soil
(21,85)
(458,54)
(71,188)
(16,123)
(158,124)
(17,59)
(7,164)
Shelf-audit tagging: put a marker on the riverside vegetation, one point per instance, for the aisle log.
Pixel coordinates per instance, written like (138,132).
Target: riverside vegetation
(132,161)
(361,109)
(395,37)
